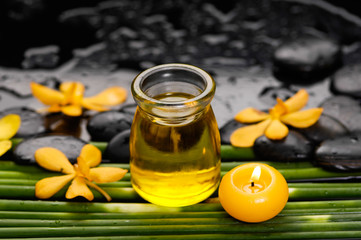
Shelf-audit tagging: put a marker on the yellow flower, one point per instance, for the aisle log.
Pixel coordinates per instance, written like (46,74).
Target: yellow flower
(9,125)
(273,124)
(82,173)
(70,99)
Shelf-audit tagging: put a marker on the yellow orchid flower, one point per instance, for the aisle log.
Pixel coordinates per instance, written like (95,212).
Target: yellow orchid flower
(9,125)
(82,173)
(273,124)
(70,99)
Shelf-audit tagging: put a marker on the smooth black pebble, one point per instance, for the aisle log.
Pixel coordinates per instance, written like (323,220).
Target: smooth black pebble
(70,146)
(227,130)
(118,148)
(342,153)
(32,123)
(104,126)
(344,109)
(306,58)
(295,147)
(325,128)
(347,81)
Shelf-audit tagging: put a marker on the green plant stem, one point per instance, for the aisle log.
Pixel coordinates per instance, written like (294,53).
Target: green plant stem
(21,182)
(38,176)
(243,236)
(230,152)
(93,207)
(226,166)
(9,165)
(109,215)
(89,207)
(289,174)
(176,229)
(324,185)
(120,193)
(172,221)
(346,185)
(314,173)
(333,214)
(227,151)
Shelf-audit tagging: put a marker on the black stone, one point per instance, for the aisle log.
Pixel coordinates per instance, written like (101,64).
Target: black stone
(343,153)
(269,95)
(83,22)
(104,126)
(41,57)
(70,146)
(23,10)
(295,147)
(325,128)
(32,123)
(118,148)
(306,58)
(347,81)
(344,109)
(129,108)
(227,130)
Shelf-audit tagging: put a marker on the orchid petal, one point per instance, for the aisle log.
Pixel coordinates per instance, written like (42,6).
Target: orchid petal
(73,90)
(53,108)
(109,97)
(72,110)
(93,106)
(297,101)
(250,115)
(107,174)
(91,155)
(5,145)
(96,187)
(276,130)
(47,187)
(245,136)
(83,167)
(54,160)
(279,109)
(302,119)
(9,125)
(78,187)
(46,95)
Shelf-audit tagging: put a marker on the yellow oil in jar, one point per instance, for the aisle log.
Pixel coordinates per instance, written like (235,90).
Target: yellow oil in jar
(175,165)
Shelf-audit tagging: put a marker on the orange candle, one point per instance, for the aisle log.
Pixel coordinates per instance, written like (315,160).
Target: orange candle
(253,192)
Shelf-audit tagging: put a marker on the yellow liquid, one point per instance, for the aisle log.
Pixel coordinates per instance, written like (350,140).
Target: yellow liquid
(175,165)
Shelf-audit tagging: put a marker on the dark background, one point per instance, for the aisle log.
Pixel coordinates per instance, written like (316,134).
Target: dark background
(30,23)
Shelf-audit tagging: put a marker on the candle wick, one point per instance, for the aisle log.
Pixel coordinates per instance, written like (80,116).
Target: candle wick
(252,184)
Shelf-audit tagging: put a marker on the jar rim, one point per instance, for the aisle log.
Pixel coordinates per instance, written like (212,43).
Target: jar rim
(206,92)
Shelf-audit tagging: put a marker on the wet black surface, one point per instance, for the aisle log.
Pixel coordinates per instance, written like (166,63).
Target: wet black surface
(32,123)
(325,128)
(104,126)
(118,148)
(106,43)
(295,147)
(347,81)
(70,146)
(342,153)
(345,109)
(306,59)
(227,130)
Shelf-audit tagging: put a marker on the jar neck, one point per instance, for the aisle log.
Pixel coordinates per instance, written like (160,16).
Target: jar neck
(173,92)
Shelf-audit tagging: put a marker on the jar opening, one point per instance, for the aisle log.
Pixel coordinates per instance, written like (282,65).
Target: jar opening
(173,78)
(164,81)
(173,90)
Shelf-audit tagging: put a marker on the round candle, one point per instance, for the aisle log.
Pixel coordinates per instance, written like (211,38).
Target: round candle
(253,192)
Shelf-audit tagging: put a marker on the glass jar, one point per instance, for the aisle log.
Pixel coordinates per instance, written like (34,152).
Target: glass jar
(174,140)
